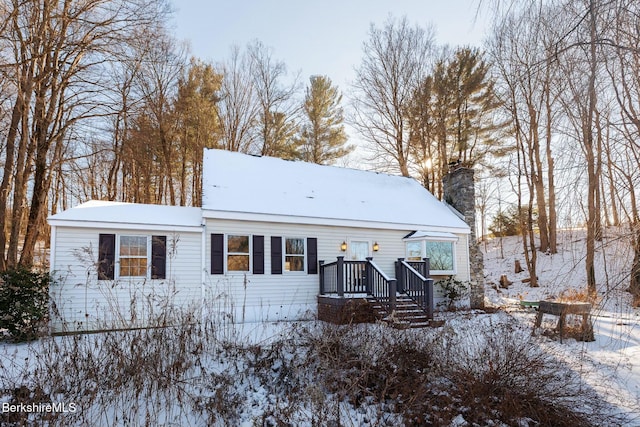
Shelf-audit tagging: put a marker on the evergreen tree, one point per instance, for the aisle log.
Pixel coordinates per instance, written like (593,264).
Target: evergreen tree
(474,103)
(322,137)
(198,126)
(281,134)
(453,117)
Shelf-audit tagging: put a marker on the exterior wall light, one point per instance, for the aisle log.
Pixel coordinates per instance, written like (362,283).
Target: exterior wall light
(343,246)
(376,247)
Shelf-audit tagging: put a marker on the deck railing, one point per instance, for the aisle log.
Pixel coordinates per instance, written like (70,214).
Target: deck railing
(421,267)
(414,281)
(365,277)
(340,277)
(357,277)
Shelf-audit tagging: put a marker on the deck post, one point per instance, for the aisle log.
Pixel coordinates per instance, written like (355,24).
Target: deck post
(427,268)
(392,295)
(340,274)
(321,276)
(368,276)
(402,280)
(428,295)
(428,287)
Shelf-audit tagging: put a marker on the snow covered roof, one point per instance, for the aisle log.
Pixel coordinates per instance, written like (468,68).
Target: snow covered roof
(420,234)
(96,213)
(242,186)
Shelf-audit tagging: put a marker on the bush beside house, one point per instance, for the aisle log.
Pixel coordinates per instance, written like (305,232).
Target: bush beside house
(24,303)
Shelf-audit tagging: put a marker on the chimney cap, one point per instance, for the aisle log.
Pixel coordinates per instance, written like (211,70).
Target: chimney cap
(455,165)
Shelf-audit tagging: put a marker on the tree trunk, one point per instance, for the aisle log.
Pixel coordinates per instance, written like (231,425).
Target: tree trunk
(536,177)
(612,190)
(552,220)
(24,161)
(634,285)
(592,188)
(7,177)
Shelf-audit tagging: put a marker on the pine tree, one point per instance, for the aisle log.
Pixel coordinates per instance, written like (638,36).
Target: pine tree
(198,126)
(452,117)
(281,137)
(322,137)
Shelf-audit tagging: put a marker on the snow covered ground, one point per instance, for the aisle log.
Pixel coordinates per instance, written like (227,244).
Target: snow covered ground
(261,373)
(611,363)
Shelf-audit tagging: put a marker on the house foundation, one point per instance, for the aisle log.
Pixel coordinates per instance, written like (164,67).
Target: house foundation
(343,311)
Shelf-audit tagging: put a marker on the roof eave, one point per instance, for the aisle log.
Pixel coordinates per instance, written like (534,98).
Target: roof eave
(336,222)
(124,225)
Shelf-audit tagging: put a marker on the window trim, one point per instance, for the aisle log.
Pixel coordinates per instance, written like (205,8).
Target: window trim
(454,267)
(423,251)
(227,253)
(303,256)
(109,259)
(119,257)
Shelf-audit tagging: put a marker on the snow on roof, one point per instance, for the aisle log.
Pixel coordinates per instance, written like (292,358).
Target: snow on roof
(420,234)
(129,214)
(241,183)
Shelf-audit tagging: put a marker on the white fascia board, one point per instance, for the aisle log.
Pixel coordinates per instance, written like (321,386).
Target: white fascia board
(125,226)
(290,219)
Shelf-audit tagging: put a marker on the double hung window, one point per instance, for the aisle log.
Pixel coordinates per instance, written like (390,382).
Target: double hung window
(293,254)
(253,253)
(131,256)
(238,253)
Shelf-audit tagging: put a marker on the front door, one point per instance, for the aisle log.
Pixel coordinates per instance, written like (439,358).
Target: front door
(358,251)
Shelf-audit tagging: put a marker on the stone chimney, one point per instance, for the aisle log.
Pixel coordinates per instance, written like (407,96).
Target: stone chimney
(459,192)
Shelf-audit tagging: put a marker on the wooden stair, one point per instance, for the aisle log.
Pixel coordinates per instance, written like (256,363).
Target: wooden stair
(406,315)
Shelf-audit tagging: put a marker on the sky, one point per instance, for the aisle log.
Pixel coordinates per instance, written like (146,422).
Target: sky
(316,37)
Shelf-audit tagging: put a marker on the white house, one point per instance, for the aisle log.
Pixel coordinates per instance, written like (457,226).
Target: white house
(254,251)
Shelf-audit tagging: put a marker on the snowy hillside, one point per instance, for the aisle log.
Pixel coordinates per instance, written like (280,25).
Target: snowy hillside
(611,364)
(561,272)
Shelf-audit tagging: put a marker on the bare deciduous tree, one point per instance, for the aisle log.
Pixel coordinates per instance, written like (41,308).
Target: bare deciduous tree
(276,103)
(396,60)
(52,53)
(238,107)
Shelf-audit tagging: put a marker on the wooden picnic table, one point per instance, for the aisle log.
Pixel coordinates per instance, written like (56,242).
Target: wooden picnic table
(562,309)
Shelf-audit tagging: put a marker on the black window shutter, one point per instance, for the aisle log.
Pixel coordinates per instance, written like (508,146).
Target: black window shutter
(106,256)
(276,255)
(159,257)
(312,255)
(217,254)
(258,254)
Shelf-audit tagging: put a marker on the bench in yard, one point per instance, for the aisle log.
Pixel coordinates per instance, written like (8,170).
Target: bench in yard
(562,309)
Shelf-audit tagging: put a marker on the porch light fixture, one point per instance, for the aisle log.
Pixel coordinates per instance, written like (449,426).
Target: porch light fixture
(343,246)
(376,247)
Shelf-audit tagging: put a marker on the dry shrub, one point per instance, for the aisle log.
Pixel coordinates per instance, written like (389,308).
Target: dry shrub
(151,376)
(491,375)
(501,373)
(578,295)
(314,374)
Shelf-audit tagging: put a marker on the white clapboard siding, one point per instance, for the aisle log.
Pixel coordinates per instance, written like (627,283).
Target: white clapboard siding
(293,295)
(81,302)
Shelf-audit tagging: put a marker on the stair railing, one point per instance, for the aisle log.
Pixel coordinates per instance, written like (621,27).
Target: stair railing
(380,286)
(416,284)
